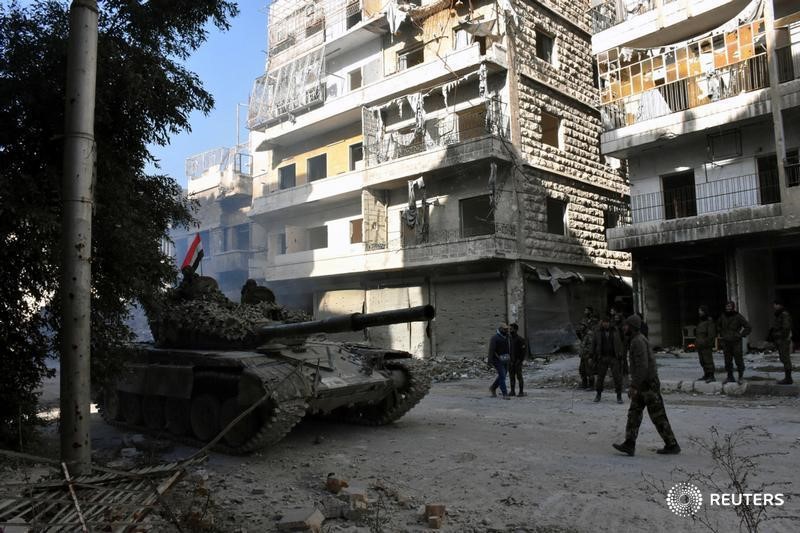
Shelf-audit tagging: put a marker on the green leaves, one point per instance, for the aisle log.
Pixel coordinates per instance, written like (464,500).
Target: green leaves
(144,94)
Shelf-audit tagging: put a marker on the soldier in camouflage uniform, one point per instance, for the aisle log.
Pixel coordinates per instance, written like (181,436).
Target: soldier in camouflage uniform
(732,327)
(781,333)
(585,333)
(705,333)
(645,392)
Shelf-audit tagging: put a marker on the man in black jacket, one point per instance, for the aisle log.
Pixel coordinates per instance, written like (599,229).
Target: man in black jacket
(608,351)
(732,327)
(645,392)
(499,357)
(519,351)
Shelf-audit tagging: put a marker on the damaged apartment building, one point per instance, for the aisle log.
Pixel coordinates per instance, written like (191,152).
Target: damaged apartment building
(441,152)
(702,99)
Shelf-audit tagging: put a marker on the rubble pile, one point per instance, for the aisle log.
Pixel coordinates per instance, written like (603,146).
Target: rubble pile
(443,369)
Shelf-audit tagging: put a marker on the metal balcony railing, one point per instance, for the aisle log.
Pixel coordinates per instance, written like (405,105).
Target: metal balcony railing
(381,146)
(224,158)
(612,12)
(710,197)
(501,232)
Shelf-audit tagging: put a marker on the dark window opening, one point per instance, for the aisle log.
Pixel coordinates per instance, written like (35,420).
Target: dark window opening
(356,156)
(477,216)
(556,216)
(318,167)
(544,46)
(241,237)
(314,26)
(481,40)
(610,219)
(551,125)
(317,237)
(353,14)
(280,243)
(356,231)
(768,182)
(410,58)
(680,198)
(286,177)
(355,79)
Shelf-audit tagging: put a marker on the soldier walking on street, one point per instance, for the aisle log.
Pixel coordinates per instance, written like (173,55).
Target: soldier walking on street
(499,357)
(519,351)
(607,352)
(585,333)
(645,392)
(732,327)
(705,333)
(782,336)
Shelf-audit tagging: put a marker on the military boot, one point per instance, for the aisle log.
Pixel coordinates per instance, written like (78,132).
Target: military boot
(670,449)
(583,383)
(741,377)
(597,398)
(710,378)
(619,397)
(729,379)
(589,383)
(627,447)
(787,380)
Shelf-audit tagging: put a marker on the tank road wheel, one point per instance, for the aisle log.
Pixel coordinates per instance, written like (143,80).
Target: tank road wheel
(204,417)
(176,416)
(242,431)
(153,412)
(130,406)
(109,405)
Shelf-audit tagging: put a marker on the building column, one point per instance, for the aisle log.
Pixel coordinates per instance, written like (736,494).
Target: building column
(515,294)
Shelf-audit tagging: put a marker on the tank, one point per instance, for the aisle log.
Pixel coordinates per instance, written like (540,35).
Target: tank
(212,359)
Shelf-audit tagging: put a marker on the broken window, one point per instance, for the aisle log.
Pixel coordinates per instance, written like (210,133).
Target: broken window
(356,234)
(354,78)
(680,199)
(318,167)
(545,46)
(556,216)
(241,237)
(410,57)
(610,219)
(725,145)
(357,156)
(317,237)
(551,129)
(286,176)
(768,185)
(477,216)
(353,14)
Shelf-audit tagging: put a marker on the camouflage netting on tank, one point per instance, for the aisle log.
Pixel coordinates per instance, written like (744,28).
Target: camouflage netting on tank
(207,319)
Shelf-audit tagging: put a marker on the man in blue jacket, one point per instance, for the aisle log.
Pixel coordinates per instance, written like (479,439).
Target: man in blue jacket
(499,357)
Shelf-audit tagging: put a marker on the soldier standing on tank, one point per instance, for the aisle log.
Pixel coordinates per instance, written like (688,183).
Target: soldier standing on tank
(499,357)
(705,333)
(732,327)
(782,336)
(608,350)
(519,351)
(585,333)
(645,392)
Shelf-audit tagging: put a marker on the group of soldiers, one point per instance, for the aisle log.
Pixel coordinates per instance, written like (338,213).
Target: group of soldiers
(507,351)
(731,327)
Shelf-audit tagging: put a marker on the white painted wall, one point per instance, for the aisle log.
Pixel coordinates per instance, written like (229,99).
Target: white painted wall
(341,65)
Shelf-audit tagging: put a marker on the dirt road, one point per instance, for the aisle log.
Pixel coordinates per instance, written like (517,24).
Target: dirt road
(539,463)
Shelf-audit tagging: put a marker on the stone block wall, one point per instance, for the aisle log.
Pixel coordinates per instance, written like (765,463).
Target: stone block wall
(575,171)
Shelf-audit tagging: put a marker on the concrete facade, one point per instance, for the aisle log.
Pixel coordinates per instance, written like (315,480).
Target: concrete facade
(712,216)
(492,107)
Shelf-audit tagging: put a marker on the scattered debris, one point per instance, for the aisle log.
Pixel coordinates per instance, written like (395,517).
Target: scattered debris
(308,519)
(335,485)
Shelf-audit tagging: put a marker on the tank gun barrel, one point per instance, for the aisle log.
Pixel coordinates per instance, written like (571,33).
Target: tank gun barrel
(354,322)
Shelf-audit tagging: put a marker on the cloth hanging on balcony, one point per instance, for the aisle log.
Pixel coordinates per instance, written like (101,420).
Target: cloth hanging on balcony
(555,276)
(508,9)
(411,213)
(417,103)
(492,183)
(395,16)
(479,29)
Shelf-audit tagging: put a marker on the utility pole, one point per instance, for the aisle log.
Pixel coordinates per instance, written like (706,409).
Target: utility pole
(78,198)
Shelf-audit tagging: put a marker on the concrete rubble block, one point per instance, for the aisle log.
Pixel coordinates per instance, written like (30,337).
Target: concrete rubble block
(333,507)
(669,386)
(701,387)
(786,390)
(352,494)
(435,522)
(435,509)
(734,389)
(686,386)
(308,519)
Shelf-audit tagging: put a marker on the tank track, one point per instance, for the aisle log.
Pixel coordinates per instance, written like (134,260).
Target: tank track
(418,384)
(288,408)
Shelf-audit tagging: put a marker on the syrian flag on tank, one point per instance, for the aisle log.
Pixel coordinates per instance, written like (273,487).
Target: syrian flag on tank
(195,254)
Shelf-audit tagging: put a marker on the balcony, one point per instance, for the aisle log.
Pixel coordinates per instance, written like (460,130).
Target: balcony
(333,113)
(653,23)
(473,139)
(225,171)
(441,247)
(711,210)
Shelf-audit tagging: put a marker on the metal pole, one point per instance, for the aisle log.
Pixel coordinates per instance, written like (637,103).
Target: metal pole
(77,187)
(775,96)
